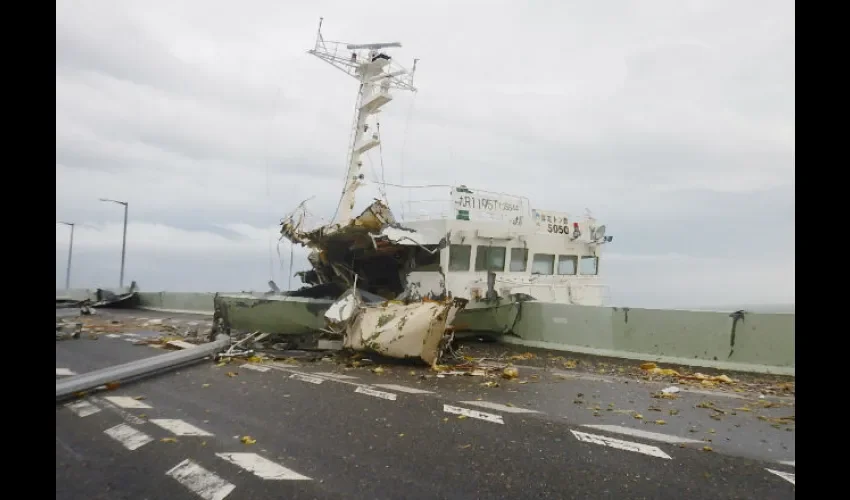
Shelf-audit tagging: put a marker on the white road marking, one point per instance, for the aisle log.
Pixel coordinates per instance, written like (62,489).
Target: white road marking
(128,436)
(339,376)
(64,372)
(784,475)
(498,406)
(179,427)
(82,408)
(307,378)
(654,436)
(128,417)
(256,368)
(378,394)
(480,415)
(646,449)
(261,467)
(131,339)
(788,462)
(401,388)
(113,335)
(202,482)
(126,402)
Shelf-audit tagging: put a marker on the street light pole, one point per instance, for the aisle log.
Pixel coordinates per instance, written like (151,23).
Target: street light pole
(70,253)
(124,240)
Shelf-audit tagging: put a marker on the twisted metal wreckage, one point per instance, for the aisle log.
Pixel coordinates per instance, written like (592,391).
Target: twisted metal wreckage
(359,289)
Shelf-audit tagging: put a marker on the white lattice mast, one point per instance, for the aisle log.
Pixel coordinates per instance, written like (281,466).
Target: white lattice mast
(377,74)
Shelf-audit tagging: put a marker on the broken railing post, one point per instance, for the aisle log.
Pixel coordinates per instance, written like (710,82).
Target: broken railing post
(68,387)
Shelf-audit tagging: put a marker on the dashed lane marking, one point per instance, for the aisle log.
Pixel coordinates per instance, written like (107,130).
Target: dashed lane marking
(653,436)
(307,378)
(82,408)
(338,376)
(261,467)
(179,427)
(129,437)
(256,368)
(126,402)
(480,415)
(200,481)
(64,372)
(788,476)
(127,416)
(402,388)
(645,449)
(378,394)
(499,407)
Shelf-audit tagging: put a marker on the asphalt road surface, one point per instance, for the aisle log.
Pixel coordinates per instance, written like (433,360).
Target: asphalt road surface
(315,430)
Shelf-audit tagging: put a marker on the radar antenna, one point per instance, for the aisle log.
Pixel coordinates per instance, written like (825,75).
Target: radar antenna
(377,73)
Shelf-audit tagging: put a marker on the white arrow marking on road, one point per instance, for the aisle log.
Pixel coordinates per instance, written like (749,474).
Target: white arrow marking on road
(261,467)
(201,481)
(256,368)
(129,437)
(499,406)
(83,408)
(126,402)
(402,388)
(307,378)
(378,394)
(480,415)
(179,427)
(646,449)
(655,436)
(784,475)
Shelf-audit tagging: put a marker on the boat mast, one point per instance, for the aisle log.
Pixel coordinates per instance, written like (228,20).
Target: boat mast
(377,74)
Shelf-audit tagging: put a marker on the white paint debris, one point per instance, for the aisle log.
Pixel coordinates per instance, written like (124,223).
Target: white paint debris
(180,344)
(378,394)
(784,475)
(153,322)
(256,368)
(402,388)
(645,449)
(788,462)
(64,372)
(670,390)
(654,436)
(127,402)
(307,378)
(131,339)
(339,376)
(129,437)
(179,427)
(261,467)
(82,408)
(113,335)
(480,415)
(499,406)
(200,481)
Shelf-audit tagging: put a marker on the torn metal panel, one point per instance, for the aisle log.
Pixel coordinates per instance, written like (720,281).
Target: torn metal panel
(400,330)
(277,314)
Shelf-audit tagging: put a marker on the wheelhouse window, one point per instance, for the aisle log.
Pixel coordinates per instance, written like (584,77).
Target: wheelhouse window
(425,261)
(519,260)
(589,265)
(543,263)
(490,258)
(567,264)
(459,256)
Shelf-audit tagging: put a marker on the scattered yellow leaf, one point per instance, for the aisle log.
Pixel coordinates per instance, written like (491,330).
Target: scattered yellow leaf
(231,374)
(510,373)
(169,440)
(660,422)
(638,416)
(648,366)
(139,398)
(570,364)
(248,440)
(461,417)
(707,448)
(401,435)
(205,385)
(378,370)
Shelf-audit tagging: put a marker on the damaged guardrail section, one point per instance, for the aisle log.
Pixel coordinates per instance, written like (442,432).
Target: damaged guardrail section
(121,374)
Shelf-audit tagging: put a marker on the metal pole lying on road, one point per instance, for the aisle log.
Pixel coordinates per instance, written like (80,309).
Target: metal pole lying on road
(134,370)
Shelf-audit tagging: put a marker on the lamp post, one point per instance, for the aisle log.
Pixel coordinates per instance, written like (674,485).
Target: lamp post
(70,253)
(124,241)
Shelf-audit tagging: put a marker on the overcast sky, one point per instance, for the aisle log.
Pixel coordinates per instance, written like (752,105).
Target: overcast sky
(671,120)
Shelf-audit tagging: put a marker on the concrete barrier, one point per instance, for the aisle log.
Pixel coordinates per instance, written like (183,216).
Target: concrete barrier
(761,343)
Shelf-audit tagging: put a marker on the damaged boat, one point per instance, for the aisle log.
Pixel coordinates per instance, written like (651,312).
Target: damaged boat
(396,286)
